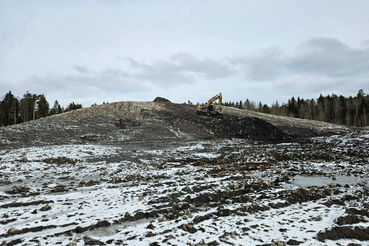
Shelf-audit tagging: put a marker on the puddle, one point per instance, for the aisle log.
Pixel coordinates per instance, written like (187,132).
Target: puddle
(6,187)
(305,181)
(91,177)
(113,229)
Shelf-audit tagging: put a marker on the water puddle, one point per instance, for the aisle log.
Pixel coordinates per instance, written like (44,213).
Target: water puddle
(305,181)
(6,187)
(113,229)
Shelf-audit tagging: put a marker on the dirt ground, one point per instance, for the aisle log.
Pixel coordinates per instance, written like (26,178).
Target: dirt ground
(155,122)
(156,173)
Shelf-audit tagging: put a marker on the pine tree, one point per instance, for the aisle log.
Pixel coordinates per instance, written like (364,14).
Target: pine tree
(42,107)
(27,105)
(73,106)
(9,110)
(55,109)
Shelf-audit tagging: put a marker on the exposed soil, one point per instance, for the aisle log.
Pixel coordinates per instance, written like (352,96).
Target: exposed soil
(156,173)
(156,122)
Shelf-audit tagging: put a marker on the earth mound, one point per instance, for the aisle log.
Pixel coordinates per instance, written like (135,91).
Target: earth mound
(154,123)
(161,99)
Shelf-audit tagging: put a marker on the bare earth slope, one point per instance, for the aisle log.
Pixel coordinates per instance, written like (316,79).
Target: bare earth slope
(159,122)
(156,173)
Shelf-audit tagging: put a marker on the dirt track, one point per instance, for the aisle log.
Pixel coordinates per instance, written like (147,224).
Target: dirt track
(144,173)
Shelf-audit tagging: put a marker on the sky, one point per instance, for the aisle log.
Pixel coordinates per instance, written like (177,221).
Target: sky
(95,51)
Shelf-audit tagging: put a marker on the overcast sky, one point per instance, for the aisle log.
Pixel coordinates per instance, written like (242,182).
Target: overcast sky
(95,51)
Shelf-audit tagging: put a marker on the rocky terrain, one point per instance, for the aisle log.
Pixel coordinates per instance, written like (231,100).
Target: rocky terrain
(156,173)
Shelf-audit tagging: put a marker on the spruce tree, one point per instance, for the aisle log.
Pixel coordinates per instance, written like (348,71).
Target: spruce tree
(9,110)
(42,107)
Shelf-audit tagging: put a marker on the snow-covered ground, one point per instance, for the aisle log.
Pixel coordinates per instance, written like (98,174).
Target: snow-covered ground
(219,192)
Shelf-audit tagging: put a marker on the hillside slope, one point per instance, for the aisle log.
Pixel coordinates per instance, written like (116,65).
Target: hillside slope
(159,122)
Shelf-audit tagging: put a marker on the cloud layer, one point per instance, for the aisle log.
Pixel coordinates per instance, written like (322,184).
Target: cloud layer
(318,65)
(327,57)
(321,59)
(187,50)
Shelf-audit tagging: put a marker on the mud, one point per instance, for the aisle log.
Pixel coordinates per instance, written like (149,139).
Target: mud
(158,174)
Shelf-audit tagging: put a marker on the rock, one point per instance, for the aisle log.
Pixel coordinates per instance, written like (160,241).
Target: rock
(162,219)
(59,188)
(12,231)
(278,244)
(90,241)
(317,218)
(150,226)
(293,242)
(18,190)
(45,208)
(188,228)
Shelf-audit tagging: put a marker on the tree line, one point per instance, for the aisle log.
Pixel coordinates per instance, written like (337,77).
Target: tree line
(15,110)
(350,111)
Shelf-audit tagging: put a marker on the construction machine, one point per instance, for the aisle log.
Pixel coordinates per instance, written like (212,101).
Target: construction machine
(210,108)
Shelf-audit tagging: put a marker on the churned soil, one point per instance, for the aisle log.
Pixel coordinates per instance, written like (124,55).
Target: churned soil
(156,173)
(159,121)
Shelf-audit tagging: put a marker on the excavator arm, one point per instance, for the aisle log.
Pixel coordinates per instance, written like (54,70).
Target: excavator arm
(214,98)
(209,109)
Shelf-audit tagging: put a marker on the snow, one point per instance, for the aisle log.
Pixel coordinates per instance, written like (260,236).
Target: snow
(86,205)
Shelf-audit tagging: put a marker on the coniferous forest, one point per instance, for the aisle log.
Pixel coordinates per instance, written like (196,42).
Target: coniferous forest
(15,110)
(350,111)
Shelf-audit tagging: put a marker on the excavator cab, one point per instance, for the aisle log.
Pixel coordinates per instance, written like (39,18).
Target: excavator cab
(210,109)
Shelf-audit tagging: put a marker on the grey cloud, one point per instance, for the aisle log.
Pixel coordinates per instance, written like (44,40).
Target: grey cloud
(182,68)
(325,57)
(208,67)
(160,73)
(79,85)
(365,43)
(115,73)
(81,69)
(330,57)
(266,65)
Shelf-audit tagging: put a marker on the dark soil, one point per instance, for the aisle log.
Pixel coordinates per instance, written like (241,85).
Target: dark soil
(185,191)
(225,126)
(161,99)
(346,232)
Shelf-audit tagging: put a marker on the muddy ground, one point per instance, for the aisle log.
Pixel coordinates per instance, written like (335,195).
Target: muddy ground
(156,173)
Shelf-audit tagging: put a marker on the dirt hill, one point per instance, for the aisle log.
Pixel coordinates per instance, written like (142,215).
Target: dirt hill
(157,122)
(237,119)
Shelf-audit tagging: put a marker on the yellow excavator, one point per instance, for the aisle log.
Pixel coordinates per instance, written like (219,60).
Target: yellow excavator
(209,108)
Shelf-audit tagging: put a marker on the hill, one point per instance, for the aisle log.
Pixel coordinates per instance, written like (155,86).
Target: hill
(159,122)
